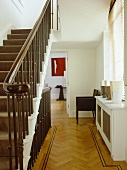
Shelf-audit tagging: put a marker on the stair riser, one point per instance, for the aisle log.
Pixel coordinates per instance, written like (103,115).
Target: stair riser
(17,36)
(4,163)
(5,49)
(3,76)
(13,42)
(8,57)
(20,31)
(4,66)
(4,148)
(4,123)
(2,92)
(3,105)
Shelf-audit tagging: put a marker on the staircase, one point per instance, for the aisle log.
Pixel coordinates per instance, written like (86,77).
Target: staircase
(25,108)
(8,53)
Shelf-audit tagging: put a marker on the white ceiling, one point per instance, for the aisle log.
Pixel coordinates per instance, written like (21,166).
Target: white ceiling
(82,23)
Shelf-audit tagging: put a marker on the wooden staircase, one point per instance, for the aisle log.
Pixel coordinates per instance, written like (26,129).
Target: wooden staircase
(8,53)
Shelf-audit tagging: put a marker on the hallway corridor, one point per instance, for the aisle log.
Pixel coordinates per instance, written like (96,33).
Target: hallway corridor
(78,147)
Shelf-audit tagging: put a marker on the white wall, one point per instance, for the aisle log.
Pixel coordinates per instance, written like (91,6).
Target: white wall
(16,15)
(53,81)
(10,16)
(99,64)
(81,77)
(32,10)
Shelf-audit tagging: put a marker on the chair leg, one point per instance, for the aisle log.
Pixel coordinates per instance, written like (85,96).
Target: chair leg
(77,116)
(94,116)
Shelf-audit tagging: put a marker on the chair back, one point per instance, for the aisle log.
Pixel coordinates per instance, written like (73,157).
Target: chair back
(95,92)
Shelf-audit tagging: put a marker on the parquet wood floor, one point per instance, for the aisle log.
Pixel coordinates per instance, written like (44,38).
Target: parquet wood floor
(78,147)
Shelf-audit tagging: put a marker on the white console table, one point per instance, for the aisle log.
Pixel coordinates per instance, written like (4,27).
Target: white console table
(111,121)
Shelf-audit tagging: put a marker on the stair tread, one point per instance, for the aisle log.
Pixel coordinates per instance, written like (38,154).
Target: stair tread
(4,71)
(18,34)
(3,97)
(6,61)
(15,39)
(8,53)
(5,114)
(20,30)
(10,46)
(4,162)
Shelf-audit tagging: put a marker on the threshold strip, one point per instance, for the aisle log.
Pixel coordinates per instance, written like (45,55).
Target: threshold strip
(42,159)
(46,157)
(100,153)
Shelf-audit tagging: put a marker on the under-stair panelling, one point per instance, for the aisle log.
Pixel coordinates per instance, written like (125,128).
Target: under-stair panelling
(8,54)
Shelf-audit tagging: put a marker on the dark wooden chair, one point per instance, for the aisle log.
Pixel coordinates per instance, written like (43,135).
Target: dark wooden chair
(86,103)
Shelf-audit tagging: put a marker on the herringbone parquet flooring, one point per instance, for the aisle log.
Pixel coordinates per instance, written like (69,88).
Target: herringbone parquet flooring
(78,147)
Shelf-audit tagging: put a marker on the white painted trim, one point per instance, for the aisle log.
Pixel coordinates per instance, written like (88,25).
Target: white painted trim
(82,114)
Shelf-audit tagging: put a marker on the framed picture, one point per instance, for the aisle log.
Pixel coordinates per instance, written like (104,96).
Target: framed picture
(58,66)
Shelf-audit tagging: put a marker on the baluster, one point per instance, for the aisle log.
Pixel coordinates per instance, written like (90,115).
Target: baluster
(28,65)
(39,53)
(57,15)
(31,82)
(42,57)
(44,42)
(25,69)
(39,130)
(23,117)
(46,111)
(15,131)
(41,48)
(20,139)
(49,18)
(33,53)
(37,57)
(9,132)
(22,74)
(26,117)
(38,137)
(52,14)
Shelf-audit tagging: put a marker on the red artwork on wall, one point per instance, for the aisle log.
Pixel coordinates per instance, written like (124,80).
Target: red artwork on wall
(58,66)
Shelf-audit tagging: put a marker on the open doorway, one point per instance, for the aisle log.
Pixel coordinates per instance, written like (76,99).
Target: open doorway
(56,76)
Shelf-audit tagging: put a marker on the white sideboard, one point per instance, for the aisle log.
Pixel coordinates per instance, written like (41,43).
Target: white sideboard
(111,121)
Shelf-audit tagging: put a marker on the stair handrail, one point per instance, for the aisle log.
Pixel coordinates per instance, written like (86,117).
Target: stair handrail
(17,63)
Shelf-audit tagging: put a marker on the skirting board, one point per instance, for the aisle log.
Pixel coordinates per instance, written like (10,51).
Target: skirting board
(56,96)
(81,114)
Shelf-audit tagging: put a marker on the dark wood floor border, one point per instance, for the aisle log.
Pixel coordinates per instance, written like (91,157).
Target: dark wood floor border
(100,153)
(43,166)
